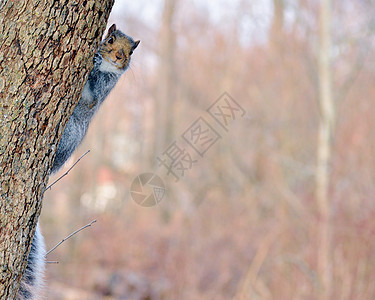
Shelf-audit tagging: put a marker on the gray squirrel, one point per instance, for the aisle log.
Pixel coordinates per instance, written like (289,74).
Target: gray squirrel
(110,62)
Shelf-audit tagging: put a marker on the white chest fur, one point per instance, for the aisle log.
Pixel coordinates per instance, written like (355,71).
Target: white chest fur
(106,66)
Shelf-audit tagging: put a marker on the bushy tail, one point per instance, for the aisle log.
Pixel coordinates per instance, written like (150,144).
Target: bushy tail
(32,281)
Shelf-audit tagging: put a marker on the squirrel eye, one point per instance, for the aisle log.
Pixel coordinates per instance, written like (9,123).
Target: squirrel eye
(110,40)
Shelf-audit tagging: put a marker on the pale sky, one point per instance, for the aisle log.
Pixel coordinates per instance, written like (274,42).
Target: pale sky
(254,23)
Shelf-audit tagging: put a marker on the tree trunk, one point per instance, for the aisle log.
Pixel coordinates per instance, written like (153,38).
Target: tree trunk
(326,127)
(46,51)
(277,27)
(166,88)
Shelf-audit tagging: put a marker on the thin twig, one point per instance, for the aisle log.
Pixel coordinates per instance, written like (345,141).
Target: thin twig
(52,262)
(66,173)
(69,236)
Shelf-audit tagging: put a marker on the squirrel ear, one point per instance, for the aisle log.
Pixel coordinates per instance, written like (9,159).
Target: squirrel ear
(111,29)
(136,43)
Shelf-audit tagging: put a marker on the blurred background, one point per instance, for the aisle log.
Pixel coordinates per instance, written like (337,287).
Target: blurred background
(281,206)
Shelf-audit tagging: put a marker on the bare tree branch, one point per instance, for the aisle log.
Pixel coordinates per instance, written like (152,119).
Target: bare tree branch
(67,172)
(69,236)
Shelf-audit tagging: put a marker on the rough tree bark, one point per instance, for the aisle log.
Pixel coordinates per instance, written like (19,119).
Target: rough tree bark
(46,51)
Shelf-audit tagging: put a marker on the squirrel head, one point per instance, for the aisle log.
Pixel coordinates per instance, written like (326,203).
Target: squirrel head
(117,48)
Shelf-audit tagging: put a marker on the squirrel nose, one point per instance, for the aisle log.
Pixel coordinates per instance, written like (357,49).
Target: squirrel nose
(119,55)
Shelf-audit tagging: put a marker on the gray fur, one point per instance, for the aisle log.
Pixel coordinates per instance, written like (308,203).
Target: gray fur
(32,281)
(96,89)
(101,81)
